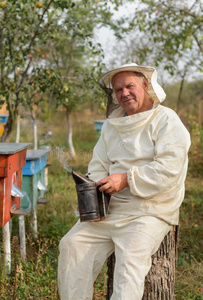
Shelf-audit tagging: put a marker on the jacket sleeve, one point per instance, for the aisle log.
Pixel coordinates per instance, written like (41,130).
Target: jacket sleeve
(98,167)
(169,167)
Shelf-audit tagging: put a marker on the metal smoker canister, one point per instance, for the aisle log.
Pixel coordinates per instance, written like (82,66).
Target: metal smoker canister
(87,201)
(87,198)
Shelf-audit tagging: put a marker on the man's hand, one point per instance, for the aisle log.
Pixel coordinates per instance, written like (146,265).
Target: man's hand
(113,183)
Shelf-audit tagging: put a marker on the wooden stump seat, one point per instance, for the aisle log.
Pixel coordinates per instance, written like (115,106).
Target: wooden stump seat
(160,281)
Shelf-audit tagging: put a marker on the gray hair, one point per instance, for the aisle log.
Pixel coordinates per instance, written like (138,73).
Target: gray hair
(138,74)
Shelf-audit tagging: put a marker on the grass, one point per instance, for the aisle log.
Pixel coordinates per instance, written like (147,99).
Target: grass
(189,272)
(36,277)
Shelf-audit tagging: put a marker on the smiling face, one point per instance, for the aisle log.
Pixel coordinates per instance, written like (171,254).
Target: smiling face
(131,92)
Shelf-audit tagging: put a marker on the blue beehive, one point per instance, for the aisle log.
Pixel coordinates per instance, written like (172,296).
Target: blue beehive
(98,125)
(3,118)
(33,183)
(3,121)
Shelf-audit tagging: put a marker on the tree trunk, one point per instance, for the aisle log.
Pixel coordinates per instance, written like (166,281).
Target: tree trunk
(34,212)
(69,136)
(7,247)
(21,222)
(18,128)
(34,225)
(110,264)
(160,281)
(200,113)
(34,124)
(181,90)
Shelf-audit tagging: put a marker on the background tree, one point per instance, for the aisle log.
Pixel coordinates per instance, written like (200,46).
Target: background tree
(40,80)
(172,27)
(24,25)
(74,55)
(166,34)
(53,34)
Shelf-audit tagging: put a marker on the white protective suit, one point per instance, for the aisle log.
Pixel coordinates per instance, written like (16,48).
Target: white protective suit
(152,148)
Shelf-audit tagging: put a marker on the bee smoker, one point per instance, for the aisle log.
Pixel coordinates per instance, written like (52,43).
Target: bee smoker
(92,204)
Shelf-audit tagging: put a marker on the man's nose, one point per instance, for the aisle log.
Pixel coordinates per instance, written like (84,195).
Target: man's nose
(125,92)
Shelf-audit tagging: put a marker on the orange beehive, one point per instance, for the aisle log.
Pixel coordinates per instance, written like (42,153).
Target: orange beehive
(12,159)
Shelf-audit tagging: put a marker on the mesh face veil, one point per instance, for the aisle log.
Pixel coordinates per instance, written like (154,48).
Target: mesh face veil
(111,104)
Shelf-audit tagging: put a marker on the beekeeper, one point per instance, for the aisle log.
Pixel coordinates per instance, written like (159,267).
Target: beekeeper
(141,160)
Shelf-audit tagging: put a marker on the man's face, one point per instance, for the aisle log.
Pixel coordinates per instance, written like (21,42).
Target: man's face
(131,92)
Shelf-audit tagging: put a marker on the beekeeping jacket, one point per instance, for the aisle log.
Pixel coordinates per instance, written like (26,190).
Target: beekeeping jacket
(152,147)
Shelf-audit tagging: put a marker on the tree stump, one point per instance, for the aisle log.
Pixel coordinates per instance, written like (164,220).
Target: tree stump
(160,281)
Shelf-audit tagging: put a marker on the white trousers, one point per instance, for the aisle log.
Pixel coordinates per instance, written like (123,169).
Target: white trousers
(85,248)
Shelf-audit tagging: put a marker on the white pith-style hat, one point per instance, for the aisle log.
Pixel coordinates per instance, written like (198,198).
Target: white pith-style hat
(155,91)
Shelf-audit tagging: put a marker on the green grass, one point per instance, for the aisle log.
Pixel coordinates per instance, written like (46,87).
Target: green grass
(189,272)
(36,277)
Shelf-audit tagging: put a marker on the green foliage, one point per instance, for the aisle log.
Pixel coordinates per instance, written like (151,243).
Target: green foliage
(163,33)
(196,149)
(45,112)
(191,114)
(47,46)
(190,98)
(34,278)
(75,56)
(189,265)
(25,26)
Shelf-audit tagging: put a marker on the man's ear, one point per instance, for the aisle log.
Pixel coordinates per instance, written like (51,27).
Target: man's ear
(145,84)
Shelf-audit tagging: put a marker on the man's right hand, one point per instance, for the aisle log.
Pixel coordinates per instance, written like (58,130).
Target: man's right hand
(113,183)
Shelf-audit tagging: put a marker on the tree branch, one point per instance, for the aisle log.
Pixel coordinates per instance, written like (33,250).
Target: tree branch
(31,43)
(11,56)
(2,55)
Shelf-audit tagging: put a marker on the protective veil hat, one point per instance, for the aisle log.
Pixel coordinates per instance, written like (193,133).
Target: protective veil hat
(155,91)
